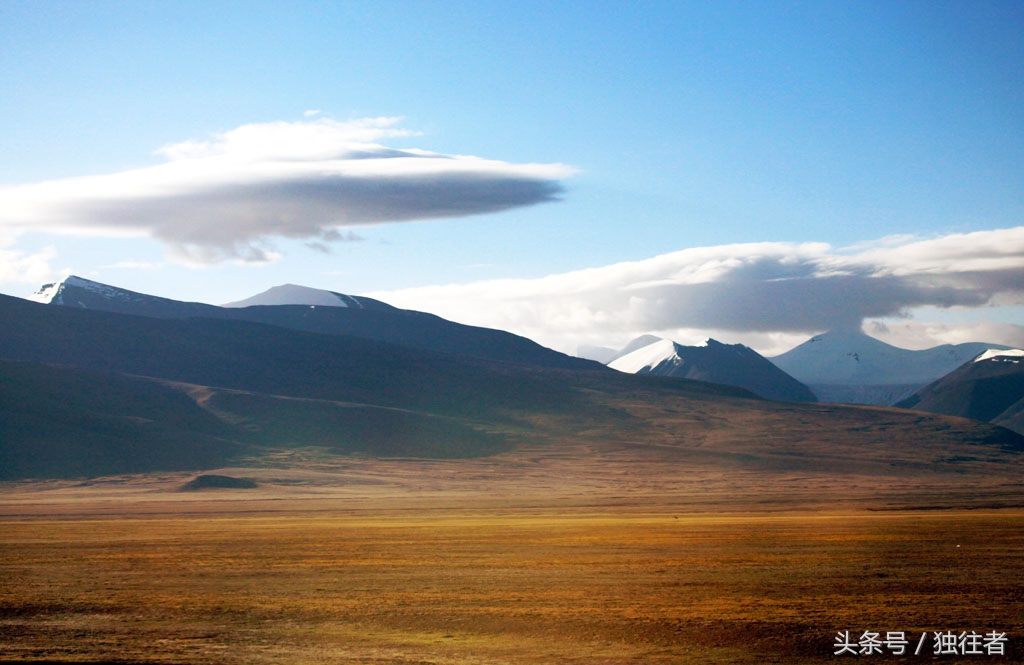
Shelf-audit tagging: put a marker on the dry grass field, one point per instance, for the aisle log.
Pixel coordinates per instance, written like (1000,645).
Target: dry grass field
(519,560)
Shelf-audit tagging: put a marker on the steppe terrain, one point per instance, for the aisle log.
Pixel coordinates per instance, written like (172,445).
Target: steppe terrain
(601,554)
(213,492)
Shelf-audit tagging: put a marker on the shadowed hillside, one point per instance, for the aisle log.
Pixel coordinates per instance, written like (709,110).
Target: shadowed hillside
(232,390)
(989,389)
(267,359)
(65,422)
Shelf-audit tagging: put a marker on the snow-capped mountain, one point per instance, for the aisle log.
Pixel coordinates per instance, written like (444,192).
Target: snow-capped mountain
(729,364)
(325,312)
(1012,356)
(58,292)
(47,293)
(84,293)
(293,294)
(646,356)
(634,345)
(990,388)
(849,366)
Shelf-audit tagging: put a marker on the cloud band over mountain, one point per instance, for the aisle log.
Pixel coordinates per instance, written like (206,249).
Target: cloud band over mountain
(226,198)
(754,288)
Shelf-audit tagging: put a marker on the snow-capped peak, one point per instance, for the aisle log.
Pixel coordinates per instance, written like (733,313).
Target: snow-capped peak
(646,357)
(47,293)
(293,294)
(648,351)
(713,362)
(1010,355)
(53,293)
(852,358)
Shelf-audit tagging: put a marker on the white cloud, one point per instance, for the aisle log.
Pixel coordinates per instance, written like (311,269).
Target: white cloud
(768,293)
(924,335)
(983,252)
(132,265)
(20,267)
(230,196)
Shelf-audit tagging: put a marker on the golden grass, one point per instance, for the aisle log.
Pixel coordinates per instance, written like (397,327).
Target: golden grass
(522,585)
(593,551)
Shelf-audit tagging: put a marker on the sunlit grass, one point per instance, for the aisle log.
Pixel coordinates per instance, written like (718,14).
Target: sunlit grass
(521,587)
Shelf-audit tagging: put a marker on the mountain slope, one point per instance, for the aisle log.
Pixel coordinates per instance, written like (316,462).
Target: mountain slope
(634,345)
(990,388)
(67,422)
(1012,418)
(64,422)
(849,366)
(342,315)
(728,364)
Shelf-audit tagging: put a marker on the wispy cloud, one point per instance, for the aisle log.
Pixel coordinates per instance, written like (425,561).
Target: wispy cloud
(33,268)
(333,236)
(762,288)
(228,197)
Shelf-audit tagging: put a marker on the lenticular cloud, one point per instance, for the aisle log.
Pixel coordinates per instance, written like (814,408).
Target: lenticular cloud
(227,197)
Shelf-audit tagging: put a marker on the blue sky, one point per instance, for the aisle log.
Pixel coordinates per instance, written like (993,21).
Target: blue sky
(738,133)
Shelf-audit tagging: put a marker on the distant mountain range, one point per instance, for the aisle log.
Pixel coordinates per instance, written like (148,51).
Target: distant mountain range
(838,367)
(728,364)
(990,388)
(88,391)
(841,367)
(319,311)
(851,367)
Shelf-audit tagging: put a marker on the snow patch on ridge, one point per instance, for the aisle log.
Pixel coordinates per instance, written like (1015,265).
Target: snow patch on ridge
(293,294)
(647,357)
(54,293)
(1006,355)
(48,293)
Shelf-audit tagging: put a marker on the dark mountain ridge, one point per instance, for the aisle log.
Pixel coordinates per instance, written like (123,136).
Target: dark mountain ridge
(366,317)
(990,388)
(251,356)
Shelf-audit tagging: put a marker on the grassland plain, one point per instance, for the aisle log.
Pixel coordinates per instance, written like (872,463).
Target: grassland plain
(441,562)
